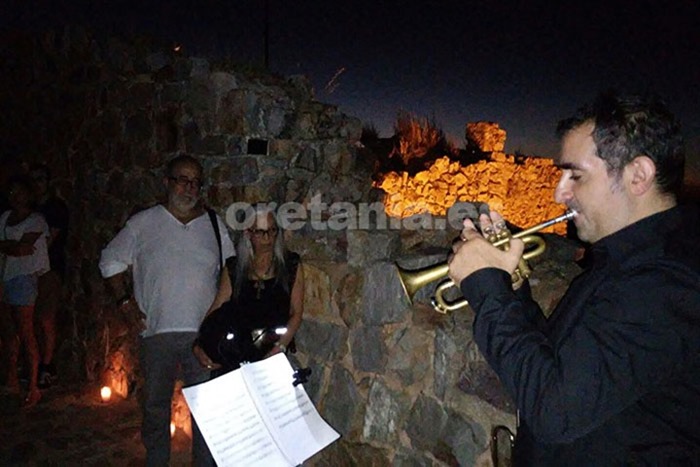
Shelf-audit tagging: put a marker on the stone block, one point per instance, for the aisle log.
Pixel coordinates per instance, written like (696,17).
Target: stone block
(317,293)
(182,69)
(199,67)
(166,131)
(366,246)
(200,102)
(351,129)
(409,359)
(219,196)
(338,158)
(244,171)
(275,121)
(348,298)
(383,298)
(386,414)
(480,380)
(326,341)
(304,127)
(369,352)
(461,441)
(233,113)
(349,454)
(412,458)
(172,93)
(140,95)
(283,148)
(158,60)
(209,145)
(343,406)
(306,159)
(488,136)
(235,145)
(426,423)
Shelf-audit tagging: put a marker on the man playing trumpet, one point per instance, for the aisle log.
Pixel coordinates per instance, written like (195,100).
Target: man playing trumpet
(613,376)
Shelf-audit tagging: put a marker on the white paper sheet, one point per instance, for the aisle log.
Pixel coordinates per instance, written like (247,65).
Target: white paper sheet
(255,416)
(290,414)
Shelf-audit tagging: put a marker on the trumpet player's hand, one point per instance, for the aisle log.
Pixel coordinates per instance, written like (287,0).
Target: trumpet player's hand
(475,251)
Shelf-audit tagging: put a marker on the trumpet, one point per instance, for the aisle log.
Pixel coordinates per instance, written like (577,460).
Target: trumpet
(412,281)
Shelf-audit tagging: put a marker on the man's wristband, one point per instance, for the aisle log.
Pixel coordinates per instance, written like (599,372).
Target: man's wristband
(123,301)
(282,347)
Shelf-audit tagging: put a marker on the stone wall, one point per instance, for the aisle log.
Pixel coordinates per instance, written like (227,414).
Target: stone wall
(404,385)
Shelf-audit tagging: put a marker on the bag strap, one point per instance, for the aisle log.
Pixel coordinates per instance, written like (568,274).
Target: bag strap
(215,226)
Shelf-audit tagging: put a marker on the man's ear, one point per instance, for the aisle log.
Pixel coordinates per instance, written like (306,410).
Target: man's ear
(641,174)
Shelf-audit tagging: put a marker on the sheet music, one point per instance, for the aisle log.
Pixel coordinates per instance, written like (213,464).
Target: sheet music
(230,423)
(255,416)
(290,415)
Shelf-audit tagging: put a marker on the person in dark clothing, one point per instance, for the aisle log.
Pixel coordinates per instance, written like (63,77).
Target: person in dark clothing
(50,295)
(612,377)
(261,299)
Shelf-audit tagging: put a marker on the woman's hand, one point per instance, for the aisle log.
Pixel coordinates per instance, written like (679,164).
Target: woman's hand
(277,348)
(203,358)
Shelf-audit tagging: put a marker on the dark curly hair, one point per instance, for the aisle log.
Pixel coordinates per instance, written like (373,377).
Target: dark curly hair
(630,125)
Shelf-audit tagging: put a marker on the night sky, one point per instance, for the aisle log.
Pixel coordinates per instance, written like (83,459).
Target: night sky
(523,64)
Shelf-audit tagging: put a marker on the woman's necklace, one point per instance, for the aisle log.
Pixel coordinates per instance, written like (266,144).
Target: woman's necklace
(259,283)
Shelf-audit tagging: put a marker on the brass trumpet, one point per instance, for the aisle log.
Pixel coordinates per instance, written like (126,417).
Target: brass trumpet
(412,281)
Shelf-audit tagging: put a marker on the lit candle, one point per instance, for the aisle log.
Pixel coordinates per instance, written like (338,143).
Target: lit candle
(106,393)
(172,429)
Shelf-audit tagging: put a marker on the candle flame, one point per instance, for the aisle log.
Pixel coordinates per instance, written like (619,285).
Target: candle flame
(106,393)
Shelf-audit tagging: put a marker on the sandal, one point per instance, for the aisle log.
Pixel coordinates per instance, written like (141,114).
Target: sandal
(33,397)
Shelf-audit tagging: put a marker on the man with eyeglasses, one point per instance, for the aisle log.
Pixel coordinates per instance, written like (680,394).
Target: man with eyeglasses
(176,261)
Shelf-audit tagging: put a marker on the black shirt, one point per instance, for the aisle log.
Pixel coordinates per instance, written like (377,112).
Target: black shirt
(613,377)
(227,333)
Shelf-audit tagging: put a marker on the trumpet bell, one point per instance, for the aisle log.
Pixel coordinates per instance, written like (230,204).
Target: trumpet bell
(413,281)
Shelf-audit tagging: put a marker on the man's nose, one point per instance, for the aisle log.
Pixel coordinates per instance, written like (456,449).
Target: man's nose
(562,193)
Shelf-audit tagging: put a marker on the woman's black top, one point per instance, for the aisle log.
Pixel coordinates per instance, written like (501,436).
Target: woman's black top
(265,303)
(231,334)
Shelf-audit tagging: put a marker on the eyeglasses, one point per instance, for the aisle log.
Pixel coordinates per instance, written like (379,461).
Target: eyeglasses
(184,181)
(260,232)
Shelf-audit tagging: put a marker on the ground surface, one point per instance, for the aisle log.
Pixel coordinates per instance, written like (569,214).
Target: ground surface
(71,427)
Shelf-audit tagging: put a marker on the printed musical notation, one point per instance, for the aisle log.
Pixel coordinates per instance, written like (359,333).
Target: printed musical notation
(256,416)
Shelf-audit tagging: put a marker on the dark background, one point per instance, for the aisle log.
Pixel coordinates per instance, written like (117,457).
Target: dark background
(522,64)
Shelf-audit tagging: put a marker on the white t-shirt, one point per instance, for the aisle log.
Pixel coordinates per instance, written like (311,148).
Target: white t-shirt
(37,262)
(175,267)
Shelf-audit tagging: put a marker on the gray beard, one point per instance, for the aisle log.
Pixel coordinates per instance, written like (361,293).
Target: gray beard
(184,203)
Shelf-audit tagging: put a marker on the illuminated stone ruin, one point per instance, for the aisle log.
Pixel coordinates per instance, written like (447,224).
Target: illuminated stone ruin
(521,188)
(488,136)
